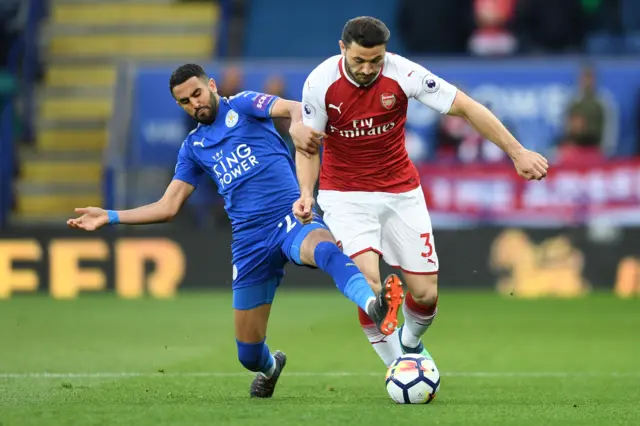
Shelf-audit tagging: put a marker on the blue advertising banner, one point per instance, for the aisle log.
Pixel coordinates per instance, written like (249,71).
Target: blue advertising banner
(530,96)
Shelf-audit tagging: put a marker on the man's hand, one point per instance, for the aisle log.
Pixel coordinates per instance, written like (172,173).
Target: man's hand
(91,219)
(530,165)
(306,140)
(303,209)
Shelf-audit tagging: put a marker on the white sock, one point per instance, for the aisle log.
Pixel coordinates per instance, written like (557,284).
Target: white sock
(272,370)
(387,347)
(415,323)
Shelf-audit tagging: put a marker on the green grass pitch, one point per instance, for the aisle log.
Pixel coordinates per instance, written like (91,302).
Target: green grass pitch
(150,362)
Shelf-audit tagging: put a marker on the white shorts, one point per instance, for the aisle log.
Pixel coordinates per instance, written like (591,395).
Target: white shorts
(396,226)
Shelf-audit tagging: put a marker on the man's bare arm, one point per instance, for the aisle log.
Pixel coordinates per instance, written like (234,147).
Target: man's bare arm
(529,164)
(283,108)
(485,122)
(164,210)
(307,169)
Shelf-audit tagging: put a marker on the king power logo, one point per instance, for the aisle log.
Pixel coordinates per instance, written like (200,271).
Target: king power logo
(234,165)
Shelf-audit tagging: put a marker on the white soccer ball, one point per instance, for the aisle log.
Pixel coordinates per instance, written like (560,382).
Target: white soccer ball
(413,379)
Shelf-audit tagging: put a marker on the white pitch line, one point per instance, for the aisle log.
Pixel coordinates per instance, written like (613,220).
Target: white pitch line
(204,374)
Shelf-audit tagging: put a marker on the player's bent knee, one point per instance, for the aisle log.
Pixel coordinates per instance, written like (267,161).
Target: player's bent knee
(424,288)
(252,355)
(427,298)
(374,282)
(369,264)
(310,244)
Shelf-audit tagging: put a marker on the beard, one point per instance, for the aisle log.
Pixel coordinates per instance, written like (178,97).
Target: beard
(365,79)
(207,114)
(359,78)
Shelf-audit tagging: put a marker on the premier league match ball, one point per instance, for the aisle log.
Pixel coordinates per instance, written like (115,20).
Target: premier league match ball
(413,379)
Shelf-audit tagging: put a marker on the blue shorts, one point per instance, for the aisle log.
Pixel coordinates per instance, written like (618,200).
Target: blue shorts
(258,262)
(246,298)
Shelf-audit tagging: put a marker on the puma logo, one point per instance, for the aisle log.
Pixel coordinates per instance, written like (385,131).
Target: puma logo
(409,75)
(431,261)
(201,143)
(336,107)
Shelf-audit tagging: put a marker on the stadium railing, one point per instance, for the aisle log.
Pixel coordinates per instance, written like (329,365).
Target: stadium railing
(116,155)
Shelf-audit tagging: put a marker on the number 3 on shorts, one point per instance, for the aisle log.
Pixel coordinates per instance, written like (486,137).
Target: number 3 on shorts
(427,244)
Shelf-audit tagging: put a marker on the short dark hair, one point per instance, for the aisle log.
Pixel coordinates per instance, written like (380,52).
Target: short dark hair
(184,73)
(366,31)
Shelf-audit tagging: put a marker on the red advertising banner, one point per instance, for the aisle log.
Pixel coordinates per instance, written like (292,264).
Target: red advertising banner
(571,194)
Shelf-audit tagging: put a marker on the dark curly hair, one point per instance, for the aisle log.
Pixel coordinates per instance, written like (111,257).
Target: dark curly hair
(184,73)
(365,31)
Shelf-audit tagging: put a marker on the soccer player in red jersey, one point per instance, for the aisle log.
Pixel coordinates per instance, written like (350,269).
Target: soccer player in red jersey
(369,189)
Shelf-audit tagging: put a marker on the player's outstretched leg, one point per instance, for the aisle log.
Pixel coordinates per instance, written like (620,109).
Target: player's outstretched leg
(319,249)
(252,307)
(387,347)
(419,309)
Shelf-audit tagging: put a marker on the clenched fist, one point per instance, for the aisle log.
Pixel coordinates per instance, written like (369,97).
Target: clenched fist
(303,209)
(306,140)
(530,165)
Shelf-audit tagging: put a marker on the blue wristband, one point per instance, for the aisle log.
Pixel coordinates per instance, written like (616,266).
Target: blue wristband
(114,219)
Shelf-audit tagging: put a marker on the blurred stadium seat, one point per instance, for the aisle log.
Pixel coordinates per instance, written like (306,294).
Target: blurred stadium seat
(86,41)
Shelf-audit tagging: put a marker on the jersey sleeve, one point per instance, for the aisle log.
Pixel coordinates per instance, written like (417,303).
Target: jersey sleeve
(426,87)
(187,170)
(255,104)
(314,112)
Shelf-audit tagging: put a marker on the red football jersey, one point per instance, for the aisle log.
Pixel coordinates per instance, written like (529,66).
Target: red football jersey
(365,125)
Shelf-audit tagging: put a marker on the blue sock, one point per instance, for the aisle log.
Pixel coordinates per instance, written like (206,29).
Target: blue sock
(344,272)
(256,357)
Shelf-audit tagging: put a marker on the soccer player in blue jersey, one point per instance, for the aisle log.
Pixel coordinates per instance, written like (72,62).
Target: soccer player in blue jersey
(238,147)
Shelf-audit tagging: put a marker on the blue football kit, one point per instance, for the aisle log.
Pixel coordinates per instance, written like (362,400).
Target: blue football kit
(242,152)
(255,174)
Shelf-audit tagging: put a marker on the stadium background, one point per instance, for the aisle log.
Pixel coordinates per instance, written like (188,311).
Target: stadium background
(87,119)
